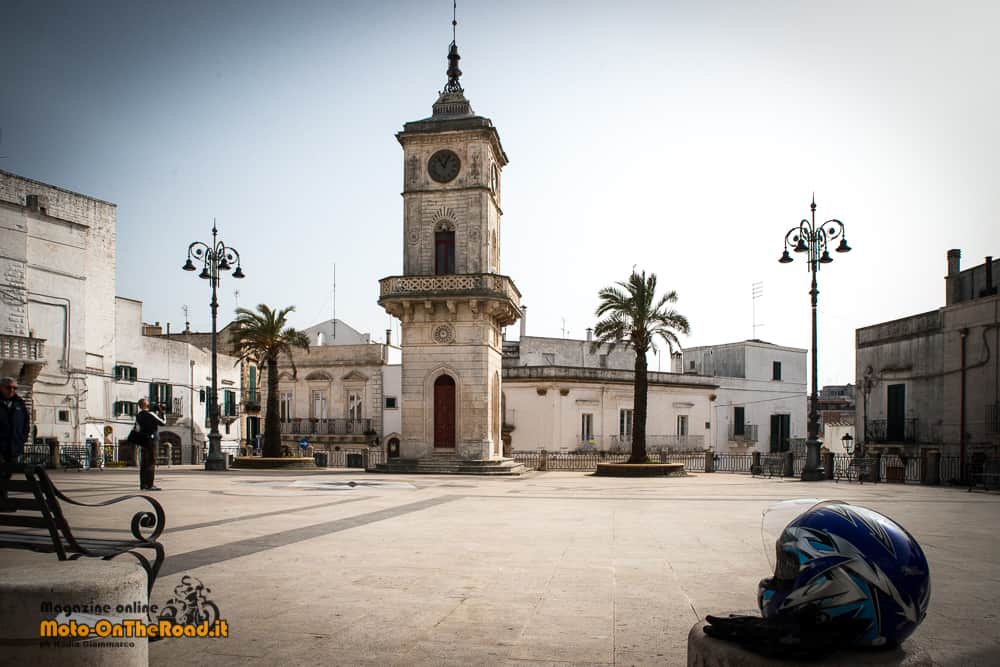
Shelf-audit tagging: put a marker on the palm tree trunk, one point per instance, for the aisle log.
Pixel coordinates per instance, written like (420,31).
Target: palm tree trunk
(639,412)
(272,422)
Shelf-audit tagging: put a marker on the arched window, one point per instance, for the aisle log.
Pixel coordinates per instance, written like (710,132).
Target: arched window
(444,250)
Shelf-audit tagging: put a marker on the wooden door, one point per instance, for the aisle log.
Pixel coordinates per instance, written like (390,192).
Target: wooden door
(444,413)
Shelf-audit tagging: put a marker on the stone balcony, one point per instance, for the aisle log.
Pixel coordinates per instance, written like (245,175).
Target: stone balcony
(22,348)
(21,357)
(494,293)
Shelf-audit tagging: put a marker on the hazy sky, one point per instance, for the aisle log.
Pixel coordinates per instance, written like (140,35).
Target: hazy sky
(684,138)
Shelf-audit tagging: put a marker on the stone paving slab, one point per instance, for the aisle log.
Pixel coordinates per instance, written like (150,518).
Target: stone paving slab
(547,569)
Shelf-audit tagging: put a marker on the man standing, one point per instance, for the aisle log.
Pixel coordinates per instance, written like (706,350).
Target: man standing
(13,425)
(147,423)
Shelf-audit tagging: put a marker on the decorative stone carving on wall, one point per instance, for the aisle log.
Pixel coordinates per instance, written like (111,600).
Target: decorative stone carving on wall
(412,170)
(443,213)
(444,334)
(13,299)
(474,167)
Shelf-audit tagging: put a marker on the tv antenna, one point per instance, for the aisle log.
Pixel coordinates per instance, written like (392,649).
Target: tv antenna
(757,290)
(236,296)
(187,320)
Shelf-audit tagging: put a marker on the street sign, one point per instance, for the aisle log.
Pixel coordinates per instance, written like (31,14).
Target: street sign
(304,443)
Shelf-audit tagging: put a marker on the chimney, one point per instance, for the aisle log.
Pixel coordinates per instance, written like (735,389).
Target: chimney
(388,336)
(676,362)
(954,261)
(524,320)
(590,335)
(36,203)
(989,290)
(152,329)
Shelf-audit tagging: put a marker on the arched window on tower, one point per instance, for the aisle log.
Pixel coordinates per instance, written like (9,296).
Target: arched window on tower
(444,251)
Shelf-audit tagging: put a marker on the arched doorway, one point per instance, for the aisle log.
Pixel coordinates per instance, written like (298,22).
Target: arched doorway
(174,440)
(392,447)
(444,413)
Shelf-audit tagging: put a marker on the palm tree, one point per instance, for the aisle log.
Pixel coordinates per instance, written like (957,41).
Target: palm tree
(260,337)
(634,316)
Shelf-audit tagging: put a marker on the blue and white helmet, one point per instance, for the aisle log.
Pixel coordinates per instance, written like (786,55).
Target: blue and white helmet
(840,561)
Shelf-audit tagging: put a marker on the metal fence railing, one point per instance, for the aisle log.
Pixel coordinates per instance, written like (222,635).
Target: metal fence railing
(693,461)
(733,463)
(36,455)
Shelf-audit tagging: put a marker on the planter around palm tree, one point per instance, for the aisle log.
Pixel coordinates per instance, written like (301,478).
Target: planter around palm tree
(261,336)
(632,315)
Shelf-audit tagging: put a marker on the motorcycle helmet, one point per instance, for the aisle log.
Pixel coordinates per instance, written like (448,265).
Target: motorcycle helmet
(838,564)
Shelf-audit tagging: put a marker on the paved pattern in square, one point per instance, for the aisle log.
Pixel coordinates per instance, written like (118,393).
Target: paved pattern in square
(551,568)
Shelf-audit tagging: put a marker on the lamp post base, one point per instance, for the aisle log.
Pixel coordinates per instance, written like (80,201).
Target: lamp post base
(221,463)
(814,475)
(812,471)
(216,460)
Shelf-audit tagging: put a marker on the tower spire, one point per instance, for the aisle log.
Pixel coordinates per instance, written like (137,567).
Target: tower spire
(453,85)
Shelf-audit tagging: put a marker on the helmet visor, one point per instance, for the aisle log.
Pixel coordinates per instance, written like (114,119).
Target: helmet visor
(777,516)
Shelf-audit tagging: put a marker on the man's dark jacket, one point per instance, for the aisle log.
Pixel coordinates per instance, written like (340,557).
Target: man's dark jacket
(149,423)
(13,427)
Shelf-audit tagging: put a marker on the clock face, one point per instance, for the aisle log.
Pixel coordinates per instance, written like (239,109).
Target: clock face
(443,166)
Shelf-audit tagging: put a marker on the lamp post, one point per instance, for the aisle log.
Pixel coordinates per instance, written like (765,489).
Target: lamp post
(812,239)
(214,259)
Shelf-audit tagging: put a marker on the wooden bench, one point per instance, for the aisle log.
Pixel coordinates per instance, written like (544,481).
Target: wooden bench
(31,518)
(985,472)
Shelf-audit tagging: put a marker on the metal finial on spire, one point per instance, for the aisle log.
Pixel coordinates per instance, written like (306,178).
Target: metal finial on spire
(453,85)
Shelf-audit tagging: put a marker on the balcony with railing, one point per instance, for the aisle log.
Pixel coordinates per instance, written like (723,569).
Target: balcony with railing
(748,434)
(22,348)
(355,427)
(399,293)
(881,431)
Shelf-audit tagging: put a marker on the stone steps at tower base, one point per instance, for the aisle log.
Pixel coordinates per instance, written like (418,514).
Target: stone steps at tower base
(442,465)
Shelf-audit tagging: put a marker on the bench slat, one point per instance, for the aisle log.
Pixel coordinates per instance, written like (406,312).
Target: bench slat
(24,521)
(22,485)
(23,503)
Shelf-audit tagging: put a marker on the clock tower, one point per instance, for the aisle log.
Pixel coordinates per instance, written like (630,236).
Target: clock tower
(452,300)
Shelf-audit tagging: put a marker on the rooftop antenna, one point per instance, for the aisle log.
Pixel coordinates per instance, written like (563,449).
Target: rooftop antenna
(236,296)
(564,332)
(757,290)
(187,320)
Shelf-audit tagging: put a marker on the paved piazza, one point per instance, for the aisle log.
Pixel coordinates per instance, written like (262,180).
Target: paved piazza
(550,568)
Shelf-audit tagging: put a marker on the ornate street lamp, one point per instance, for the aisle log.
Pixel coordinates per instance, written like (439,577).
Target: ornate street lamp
(812,239)
(848,441)
(214,259)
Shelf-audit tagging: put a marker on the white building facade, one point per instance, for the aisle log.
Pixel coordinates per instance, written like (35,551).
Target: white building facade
(761,403)
(78,351)
(562,395)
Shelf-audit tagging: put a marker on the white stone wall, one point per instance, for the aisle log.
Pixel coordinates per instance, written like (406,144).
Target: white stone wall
(744,372)
(169,361)
(543,351)
(99,219)
(392,419)
(548,414)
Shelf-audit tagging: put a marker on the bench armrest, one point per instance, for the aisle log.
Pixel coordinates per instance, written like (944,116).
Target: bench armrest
(152,521)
